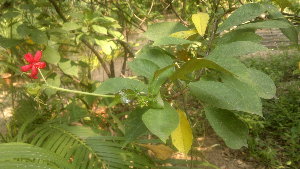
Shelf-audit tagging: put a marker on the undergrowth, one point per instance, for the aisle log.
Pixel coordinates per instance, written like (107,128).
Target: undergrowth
(275,140)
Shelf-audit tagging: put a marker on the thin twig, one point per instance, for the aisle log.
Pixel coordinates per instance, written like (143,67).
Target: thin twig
(177,15)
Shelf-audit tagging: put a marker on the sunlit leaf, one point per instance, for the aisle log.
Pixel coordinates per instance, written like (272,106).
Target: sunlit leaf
(200,21)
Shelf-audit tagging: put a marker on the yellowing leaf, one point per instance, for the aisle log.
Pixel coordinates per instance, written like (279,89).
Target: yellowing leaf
(182,136)
(200,21)
(184,34)
(161,151)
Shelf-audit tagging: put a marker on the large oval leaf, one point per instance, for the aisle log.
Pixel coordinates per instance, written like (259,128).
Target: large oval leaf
(231,95)
(230,128)
(161,122)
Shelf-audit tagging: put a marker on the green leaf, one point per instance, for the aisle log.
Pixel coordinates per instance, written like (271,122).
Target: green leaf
(265,25)
(9,43)
(171,41)
(200,21)
(164,29)
(155,55)
(238,48)
(143,67)
(69,67)
(195,64)
(22,155)
(51,55)
(106,46)
(100,29)
(161,122)
(75,112)
(38,36)
(244,13)
(260,82)
(115,85)
(54,80)
(69,26)
(182,136)
(230,128)
(239,35)
(134,126)
(232,94)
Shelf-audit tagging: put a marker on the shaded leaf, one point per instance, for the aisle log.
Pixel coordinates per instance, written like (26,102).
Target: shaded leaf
(143,67)
(196,64)
(9,43)
(265,25)
(161,122)
(51,55)
(230,128)
(155,55)
(171,41)
(182,136)
(184,34)
(239,35)
(53,80)
(69,67)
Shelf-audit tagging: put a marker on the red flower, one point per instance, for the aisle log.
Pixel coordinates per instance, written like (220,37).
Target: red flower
(34,64)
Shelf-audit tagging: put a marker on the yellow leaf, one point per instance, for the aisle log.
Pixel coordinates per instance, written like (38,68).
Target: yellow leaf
(299,65)
(182,136)
(161,151)
(200,21)
(184,34)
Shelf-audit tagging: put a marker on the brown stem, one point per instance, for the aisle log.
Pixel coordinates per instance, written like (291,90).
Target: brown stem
(177,15)
(112,68)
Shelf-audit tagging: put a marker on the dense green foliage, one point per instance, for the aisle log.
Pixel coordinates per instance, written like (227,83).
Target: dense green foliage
(275,140)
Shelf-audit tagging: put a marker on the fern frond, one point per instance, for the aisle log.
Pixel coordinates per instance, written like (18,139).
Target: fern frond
(85,149)
(22,155)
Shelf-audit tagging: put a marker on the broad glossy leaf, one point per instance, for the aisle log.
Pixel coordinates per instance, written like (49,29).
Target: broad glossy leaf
(51,55)
(232,94)
(143,67)
(182,136)
(229,127)
(171,41)
(161,122)
(238,48)
(200,21)
(155,55)
(244,13)
(100,29)
(195,64)
(115,85)
(239,35)
(164,29)
(265,25)
(68,26)
(69,67)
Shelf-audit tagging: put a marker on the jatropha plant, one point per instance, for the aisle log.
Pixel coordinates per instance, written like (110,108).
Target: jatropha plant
(200,62)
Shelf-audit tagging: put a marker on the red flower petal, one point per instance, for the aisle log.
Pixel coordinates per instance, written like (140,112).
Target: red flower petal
(28,57)
(26,68)
(37,56)
(40,65)
(34,72)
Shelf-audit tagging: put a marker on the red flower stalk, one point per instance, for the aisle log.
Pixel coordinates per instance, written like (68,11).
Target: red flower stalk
(34,64)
